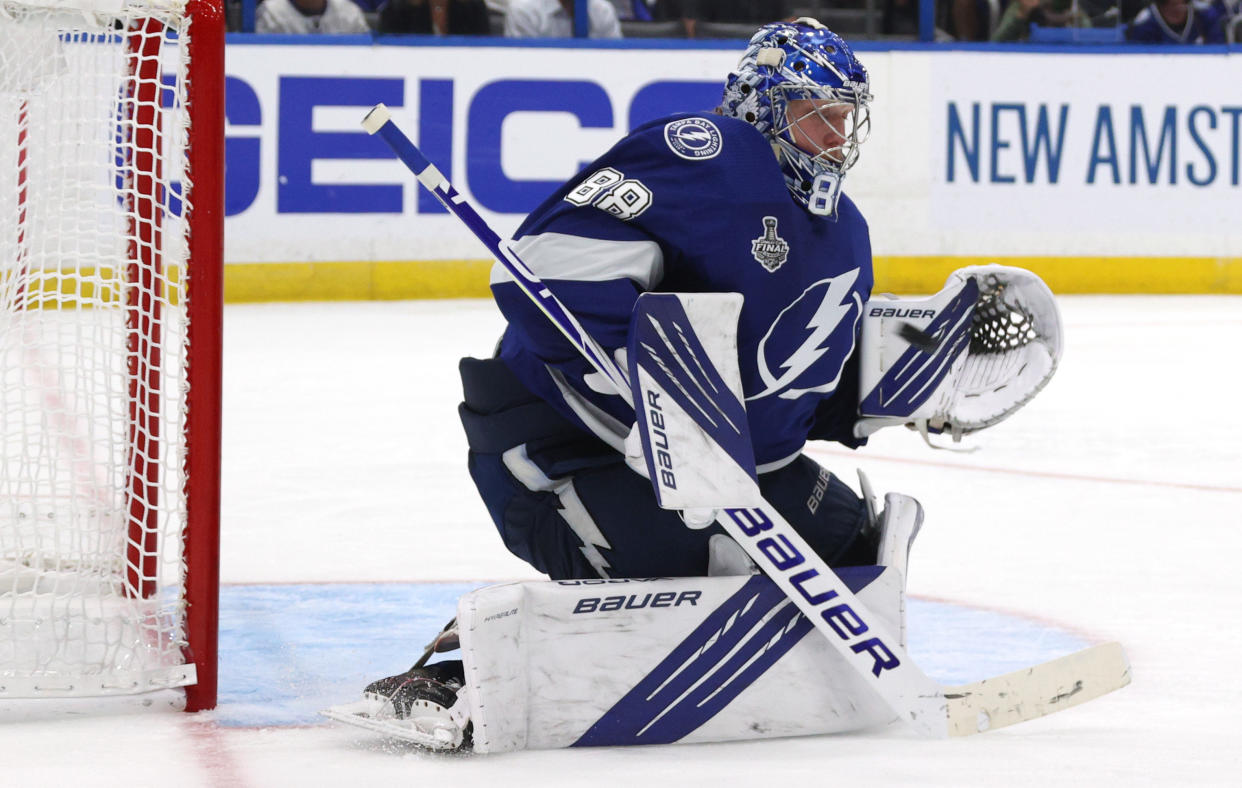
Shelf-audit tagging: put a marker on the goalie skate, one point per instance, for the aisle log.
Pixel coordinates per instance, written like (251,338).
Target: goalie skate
(420,706)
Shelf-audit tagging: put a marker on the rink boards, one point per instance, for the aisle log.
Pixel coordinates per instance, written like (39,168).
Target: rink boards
(1105,173)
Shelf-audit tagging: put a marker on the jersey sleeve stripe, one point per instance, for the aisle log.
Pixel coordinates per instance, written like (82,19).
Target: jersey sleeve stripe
(560,256)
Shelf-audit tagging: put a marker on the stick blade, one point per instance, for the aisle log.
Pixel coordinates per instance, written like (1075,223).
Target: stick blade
(1037,691)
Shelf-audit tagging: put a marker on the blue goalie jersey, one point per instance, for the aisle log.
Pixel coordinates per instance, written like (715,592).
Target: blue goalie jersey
(685,204)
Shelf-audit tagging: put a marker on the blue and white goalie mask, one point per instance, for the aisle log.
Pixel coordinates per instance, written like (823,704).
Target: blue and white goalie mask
(800,84)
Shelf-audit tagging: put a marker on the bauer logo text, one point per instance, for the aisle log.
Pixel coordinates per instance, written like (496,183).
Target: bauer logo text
(661,461)
(889,311)
(606,604)
(814,587)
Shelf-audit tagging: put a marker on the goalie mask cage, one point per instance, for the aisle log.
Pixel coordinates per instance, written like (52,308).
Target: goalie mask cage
(111,211)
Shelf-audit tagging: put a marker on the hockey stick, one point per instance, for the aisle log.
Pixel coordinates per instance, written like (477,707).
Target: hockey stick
(932,709)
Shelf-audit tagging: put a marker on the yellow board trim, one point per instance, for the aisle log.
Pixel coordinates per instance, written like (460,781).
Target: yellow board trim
(356,281)
(86,286)
(402,280)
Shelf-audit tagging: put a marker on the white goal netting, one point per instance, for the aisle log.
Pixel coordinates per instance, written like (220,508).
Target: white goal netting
(93,131)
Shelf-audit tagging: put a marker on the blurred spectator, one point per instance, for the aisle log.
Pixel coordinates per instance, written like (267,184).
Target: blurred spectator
(437,17)
(1217,16)
(555,19)
(967,20)
(900,18)
(1168,22)
(749,12)
(1015,23)
(309,16)
(1111,13)
(640,10)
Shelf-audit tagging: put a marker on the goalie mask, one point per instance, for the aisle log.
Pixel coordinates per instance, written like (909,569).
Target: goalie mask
(800,84)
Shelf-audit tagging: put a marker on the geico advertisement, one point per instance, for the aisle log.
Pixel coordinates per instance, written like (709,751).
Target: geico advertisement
(505,125)
(971,153)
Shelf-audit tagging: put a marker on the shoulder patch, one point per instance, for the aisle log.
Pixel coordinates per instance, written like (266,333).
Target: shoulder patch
(693,138)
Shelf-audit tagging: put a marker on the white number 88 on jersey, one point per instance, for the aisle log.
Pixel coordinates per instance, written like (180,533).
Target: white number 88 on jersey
(611,192)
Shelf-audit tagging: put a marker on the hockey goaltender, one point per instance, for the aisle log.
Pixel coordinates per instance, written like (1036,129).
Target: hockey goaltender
(683,316)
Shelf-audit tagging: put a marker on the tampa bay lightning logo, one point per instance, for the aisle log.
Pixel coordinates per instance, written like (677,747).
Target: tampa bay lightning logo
(693,138)
(806,346)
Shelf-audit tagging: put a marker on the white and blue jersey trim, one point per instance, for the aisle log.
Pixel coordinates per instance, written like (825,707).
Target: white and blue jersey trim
(562,256)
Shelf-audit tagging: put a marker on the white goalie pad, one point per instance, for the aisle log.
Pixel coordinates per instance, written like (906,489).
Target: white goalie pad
(623,662)
(961,360)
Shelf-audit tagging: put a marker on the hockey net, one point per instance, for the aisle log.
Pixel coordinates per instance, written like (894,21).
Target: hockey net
(109,336)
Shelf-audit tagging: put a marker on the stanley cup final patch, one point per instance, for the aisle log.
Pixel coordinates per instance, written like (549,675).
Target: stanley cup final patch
(693,138)
(770,249)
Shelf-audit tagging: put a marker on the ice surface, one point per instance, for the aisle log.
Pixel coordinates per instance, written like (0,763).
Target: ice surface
(1107,509)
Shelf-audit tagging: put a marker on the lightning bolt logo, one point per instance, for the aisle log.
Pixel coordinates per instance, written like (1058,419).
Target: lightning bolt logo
(839,301)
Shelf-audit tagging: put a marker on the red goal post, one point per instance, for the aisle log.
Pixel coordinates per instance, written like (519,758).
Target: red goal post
(111,249)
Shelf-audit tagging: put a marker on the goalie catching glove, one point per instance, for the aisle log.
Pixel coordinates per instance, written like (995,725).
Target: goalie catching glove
(961,360)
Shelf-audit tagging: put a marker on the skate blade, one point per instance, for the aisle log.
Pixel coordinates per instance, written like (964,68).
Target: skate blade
(370,715)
